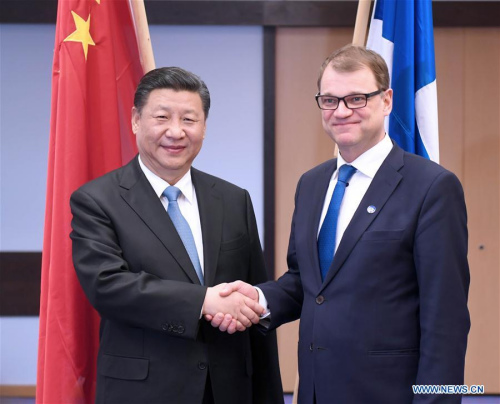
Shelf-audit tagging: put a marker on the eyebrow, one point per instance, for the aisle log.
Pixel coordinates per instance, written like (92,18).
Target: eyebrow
(167,108)
(347,95)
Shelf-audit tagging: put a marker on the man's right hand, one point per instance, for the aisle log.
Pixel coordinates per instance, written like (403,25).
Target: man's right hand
(226,322)
(241,287)
(225,303)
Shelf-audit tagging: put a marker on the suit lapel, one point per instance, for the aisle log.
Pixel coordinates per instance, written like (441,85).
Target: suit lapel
(140,196)
(383,185)
(211,218)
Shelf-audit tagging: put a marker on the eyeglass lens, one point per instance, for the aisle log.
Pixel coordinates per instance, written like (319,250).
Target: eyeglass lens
(352,101)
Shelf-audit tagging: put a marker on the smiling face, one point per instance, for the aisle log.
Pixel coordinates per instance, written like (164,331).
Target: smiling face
(354,130)
(169,131)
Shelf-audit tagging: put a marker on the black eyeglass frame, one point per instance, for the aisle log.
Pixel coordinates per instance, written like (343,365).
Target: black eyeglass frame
(317,96)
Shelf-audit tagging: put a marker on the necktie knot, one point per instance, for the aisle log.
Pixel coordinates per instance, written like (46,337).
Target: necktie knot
(346,172)
(171,193)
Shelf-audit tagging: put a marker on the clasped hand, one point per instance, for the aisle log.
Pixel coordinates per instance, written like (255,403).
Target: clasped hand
(232,306)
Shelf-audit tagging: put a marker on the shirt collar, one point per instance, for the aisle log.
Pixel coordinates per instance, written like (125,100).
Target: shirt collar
(371,160)
(185,184)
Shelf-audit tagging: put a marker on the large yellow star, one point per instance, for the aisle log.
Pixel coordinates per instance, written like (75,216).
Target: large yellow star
(82,33)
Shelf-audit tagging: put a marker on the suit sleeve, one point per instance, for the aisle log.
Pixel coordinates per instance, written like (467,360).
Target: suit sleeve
(139,299)
(267,387)
(440,254)
(285,296)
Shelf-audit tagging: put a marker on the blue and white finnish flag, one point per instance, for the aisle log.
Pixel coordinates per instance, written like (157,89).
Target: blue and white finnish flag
(401,31)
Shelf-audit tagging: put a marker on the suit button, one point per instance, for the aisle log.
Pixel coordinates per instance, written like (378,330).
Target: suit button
(180,329)
(320,299)
(164,327)
(202,365)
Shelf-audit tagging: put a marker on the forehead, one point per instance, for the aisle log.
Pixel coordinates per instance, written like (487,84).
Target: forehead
(170,99)
(340,83)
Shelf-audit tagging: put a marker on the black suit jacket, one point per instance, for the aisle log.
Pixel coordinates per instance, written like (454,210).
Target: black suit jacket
(392,310)
(134,269)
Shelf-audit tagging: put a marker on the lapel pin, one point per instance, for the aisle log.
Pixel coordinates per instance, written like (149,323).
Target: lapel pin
(371,209)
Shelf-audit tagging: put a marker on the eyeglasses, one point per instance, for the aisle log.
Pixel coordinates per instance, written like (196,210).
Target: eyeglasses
(353,101)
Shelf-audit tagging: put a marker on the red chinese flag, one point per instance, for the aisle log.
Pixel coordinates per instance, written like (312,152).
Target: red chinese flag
(95,73)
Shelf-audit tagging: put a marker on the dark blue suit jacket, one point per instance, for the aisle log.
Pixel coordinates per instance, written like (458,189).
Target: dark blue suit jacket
(392,311)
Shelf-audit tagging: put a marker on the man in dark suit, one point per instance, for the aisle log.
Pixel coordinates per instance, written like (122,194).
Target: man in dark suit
(378,276)
(150,241)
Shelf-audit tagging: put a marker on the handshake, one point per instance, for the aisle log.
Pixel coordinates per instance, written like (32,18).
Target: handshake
(232,306)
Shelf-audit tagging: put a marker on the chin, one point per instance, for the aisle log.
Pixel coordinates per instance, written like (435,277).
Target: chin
(346,139)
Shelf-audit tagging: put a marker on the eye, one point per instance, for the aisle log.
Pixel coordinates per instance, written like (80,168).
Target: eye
(161,117)
(356,99)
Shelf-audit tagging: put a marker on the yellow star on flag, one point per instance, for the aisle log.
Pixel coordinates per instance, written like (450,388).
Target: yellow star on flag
(82,33)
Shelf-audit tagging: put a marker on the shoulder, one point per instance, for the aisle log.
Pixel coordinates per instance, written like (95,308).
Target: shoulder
(422,169)
(415,170)
(215,191)
(327,167)
(109,182)
(422,165)
(205,180)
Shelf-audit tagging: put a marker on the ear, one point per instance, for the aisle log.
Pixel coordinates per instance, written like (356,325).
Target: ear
(387,100)
(136,116)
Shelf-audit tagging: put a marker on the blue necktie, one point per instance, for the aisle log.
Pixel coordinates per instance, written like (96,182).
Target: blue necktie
(182,226)
(328,232)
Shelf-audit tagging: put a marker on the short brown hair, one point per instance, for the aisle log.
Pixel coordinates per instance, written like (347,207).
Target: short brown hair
(351,58)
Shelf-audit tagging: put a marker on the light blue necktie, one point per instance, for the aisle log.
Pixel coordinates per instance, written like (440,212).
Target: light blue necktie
(328,232)
(182,226)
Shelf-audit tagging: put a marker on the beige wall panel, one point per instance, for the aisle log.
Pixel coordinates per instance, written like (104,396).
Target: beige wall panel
(449,50)
(482,185)
(300,143)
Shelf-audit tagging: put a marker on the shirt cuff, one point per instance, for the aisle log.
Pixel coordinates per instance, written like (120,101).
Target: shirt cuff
(265,319)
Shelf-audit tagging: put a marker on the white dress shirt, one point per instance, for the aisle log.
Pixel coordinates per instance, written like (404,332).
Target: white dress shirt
(188,204)
(367,166)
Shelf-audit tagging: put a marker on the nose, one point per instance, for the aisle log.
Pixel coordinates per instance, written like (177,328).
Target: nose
(342,111)
(175,130)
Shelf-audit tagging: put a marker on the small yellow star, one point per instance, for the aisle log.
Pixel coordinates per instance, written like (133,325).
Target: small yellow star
(82,33)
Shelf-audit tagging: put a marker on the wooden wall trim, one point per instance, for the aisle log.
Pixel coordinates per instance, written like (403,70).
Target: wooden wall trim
(269,148)
(28,11)
(278,13)
(466,13)
(17,391)
(266,13)
(20,283)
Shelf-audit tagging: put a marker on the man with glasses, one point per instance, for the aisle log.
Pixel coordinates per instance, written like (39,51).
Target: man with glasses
(378,271)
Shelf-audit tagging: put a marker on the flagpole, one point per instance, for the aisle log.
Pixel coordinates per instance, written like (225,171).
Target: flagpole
(361,25)
(295,397)
(143,38)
